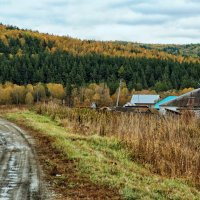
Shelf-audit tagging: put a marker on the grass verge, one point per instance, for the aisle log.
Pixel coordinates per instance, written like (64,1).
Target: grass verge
(105,162)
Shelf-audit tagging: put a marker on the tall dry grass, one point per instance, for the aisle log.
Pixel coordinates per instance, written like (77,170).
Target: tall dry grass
(168,146)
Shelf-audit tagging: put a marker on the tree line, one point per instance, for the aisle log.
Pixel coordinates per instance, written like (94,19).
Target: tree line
(79,97)
(28,94)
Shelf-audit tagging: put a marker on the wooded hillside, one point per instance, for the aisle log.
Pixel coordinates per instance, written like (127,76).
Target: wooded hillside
(31,57)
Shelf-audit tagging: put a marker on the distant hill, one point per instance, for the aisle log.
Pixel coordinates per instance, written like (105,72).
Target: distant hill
(29,57)
(192,50)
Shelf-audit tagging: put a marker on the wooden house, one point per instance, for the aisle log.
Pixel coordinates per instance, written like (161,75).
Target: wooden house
(186,102)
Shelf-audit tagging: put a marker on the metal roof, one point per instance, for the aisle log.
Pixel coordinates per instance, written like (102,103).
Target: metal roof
(163,101)
(189,99)
(144,99)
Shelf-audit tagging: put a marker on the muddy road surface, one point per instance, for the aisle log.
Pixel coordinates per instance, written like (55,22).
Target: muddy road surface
(19,169)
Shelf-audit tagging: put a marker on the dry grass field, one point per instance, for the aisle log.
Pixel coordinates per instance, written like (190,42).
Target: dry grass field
(168,146)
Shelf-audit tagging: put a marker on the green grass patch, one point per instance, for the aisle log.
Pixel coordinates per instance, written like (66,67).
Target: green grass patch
(106,161)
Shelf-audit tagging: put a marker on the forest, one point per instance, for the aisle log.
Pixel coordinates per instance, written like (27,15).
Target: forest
(29,57)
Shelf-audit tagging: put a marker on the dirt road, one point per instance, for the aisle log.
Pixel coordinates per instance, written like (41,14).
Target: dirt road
(19,169)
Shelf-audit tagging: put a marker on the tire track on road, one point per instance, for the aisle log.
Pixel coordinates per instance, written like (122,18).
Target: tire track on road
(19,169)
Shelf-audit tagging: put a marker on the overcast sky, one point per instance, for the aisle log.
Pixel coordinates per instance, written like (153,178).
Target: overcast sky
(147,21)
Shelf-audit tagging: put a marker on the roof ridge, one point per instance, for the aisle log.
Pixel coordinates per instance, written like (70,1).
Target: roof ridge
(181,96)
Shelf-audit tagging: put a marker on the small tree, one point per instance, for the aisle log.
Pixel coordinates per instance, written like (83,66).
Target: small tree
(56,90)
(29,88)
(18,94)
(39,92)
(29,100)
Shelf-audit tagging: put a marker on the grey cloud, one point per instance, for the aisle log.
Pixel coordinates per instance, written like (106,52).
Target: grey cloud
(57,4)
(125,3)
(5,1)
(142,22)
(171,11)
(193,1)
(183,35)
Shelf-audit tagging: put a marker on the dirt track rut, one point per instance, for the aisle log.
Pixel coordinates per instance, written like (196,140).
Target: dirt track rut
(19,169)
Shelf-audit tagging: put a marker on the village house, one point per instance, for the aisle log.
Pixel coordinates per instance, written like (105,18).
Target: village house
(186,102)
(158,106)
(141,103)
(144,100)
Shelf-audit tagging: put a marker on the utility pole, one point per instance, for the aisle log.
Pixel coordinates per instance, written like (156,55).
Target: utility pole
(118,95)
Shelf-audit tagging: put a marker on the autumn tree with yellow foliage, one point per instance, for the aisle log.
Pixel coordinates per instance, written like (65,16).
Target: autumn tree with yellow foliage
(56,90)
